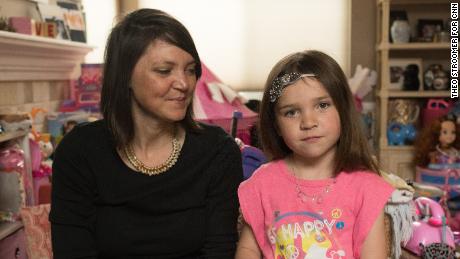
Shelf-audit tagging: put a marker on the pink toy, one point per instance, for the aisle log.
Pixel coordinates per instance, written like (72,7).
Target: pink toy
(435,108)
(429,228)
(12,160)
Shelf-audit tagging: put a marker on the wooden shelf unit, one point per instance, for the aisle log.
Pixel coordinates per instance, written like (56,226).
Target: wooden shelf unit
(398,159)
(414,2)
(12,135)
(414,46)
(413,94)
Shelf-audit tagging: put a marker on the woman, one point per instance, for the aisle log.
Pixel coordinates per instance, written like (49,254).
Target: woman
(147,180)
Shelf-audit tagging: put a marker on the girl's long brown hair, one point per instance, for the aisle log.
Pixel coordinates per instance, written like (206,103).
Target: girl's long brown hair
(352,148)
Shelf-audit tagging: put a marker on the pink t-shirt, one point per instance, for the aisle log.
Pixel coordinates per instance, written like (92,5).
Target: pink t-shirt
(286,226)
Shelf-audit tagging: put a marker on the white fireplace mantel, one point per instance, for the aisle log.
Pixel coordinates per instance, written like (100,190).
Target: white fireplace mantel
(26,57)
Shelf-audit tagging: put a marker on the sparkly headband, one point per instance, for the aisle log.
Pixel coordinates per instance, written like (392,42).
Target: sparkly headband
(282,81)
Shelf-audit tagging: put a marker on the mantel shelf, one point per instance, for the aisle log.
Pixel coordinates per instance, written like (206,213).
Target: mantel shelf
(26,57)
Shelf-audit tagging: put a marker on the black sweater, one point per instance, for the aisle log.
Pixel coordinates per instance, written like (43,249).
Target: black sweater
(102,209)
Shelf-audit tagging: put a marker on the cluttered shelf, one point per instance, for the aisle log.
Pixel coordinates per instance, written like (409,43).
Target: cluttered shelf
(12,135)
(28,57)
(413,2)
(32,40)
(398,148)
(7,228)
(414,46)
(413,94)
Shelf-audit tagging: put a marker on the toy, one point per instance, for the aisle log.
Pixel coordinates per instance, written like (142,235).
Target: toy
(436,78)
(14,122)
(430,231)
(33,114)
(86,91)
(40,150)
(438,144)
(59,123)
(399,209)
(435,108)
(399,133)
(12,162)
(411,80)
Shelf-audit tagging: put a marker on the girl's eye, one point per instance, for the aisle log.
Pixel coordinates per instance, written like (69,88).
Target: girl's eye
(290,113)
(324,105)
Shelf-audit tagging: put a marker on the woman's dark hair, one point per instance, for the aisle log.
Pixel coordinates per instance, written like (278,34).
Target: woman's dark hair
(352,148)
(126,44)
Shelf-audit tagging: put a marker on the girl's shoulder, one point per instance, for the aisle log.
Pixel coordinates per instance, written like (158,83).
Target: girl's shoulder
(264,170)
(364,180)
(265,173)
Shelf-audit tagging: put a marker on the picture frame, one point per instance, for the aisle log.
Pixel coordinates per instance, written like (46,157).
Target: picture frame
(74,19)
(427,29)
(398,69)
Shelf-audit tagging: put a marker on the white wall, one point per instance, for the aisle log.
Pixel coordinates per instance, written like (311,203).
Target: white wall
(242,40)
(278,28)
(218,29)
(100,17)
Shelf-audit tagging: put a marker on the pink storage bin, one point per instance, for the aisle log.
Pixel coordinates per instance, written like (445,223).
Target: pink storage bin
(22,25)
(14,246)
(435,108)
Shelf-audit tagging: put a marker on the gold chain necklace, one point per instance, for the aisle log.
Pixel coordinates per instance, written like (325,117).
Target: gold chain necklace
(155,170)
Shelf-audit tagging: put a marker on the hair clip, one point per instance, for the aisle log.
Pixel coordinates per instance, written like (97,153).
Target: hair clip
(282,81)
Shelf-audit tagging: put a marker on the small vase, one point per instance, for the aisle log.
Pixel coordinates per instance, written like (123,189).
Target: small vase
(400,31)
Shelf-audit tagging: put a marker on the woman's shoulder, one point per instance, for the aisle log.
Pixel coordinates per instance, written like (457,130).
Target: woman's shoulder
(86,132)
(211,129)
(211,135)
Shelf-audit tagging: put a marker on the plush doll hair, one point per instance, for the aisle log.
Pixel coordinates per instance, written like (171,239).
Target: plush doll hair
(428,138)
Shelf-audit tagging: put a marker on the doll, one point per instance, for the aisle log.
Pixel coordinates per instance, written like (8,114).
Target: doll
(438,145)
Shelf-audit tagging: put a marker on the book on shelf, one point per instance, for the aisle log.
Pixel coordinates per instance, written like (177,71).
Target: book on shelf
(74,19)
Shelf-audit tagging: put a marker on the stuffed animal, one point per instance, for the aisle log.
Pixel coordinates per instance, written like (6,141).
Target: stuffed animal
(46,149)
(14,122)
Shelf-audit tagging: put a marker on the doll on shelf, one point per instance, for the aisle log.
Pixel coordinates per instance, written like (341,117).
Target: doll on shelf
(438,145)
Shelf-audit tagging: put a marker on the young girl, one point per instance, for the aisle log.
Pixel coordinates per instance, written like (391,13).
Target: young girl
(321,195)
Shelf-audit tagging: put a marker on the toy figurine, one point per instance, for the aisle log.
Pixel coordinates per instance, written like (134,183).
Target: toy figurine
(438,145)
(411,80)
